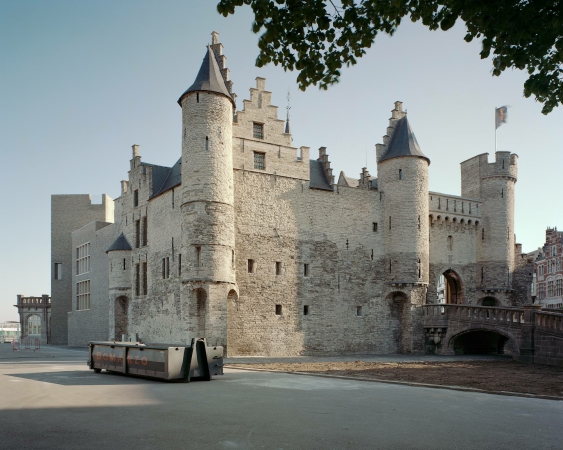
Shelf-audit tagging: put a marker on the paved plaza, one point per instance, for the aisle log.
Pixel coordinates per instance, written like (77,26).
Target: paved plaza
(50,400)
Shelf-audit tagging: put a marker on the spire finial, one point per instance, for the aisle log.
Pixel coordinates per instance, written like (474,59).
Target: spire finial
(287,108)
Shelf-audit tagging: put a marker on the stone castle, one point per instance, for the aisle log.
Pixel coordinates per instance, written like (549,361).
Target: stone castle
(249,242)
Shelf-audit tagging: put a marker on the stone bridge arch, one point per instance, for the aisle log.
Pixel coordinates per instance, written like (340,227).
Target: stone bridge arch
(483,340)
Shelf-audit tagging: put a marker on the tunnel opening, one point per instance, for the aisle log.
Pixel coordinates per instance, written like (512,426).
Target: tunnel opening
(483,343)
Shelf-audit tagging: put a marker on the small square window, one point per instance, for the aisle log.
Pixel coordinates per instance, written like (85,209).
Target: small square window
(258,130)
(305,310)
(251,266)
(359,312)
(278,268)
(278,310)
(306,270)
(259,161)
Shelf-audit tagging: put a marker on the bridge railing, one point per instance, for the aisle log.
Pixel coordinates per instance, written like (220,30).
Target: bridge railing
(547,321)
(485,314)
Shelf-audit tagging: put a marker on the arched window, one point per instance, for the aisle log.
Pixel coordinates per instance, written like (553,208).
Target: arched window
(33,325)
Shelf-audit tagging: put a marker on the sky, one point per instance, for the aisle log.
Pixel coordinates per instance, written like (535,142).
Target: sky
(80,82)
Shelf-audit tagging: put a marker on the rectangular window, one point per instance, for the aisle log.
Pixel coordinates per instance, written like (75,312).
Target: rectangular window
(559,288)
(179,265)
(58,271)
(145,280)
(83,259)
(137,280)
(374,227)
(83,295)
(137,233)
(305,310)
(163,268)
(124,265)
(550,288)
(278,268)
(136,198)
(389,222)
(359,311)
(145,231)
(172,198)
(259,161)
(167,267)
(198,256)
(306,270)
(278,310)
(251,266)
(258,130)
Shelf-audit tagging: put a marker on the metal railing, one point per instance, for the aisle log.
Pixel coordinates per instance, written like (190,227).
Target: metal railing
(26,344)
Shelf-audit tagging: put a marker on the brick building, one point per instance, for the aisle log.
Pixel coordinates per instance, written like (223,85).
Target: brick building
(548,280)
(249,242)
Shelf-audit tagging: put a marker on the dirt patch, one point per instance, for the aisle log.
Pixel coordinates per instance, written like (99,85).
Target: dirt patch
(487,375)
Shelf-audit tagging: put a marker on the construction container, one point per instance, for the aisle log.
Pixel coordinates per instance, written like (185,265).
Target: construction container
(186,363)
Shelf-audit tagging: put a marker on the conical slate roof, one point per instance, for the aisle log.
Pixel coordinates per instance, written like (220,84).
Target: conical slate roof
(209,77)
(403,142)
(121,243)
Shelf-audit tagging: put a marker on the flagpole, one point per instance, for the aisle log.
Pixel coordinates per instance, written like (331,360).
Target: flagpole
(495,129)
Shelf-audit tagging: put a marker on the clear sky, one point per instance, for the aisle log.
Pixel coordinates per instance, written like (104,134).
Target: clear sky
(80,82)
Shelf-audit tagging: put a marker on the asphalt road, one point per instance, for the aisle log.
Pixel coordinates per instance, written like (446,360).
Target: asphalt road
(52,401)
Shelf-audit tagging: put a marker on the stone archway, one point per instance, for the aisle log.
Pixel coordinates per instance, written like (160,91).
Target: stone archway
(233,323)
(489,301)
(121,317)
(450,288)
(399,322)
(483,342)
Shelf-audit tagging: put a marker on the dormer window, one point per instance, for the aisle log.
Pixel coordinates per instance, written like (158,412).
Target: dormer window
(258,130)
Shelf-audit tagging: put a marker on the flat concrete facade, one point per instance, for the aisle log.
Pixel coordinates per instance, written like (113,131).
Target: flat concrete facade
(249,242)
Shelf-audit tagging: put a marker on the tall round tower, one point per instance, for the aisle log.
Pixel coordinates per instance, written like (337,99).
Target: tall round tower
(208,236)
(403,179)
(496,255)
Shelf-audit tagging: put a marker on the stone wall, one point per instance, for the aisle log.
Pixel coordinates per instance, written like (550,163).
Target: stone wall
(68,213)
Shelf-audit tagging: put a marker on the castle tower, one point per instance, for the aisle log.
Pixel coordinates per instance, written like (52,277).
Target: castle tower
(403,180)
(494,184)
(208,237)
(119,255)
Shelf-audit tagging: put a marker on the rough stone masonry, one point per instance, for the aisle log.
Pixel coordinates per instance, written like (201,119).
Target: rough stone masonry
(249,242)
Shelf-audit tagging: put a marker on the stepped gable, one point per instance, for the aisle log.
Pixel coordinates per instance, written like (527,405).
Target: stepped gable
(121,243)
(403,142)
(209,78)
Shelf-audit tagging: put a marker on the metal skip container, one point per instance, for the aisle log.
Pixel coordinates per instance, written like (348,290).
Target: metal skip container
(186,363)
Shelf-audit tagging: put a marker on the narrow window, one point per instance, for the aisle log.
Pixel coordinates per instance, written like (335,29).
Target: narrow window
(163,268)
(206,143)
(359,311)
(137,233)
(251,266)
(503,163)
(197,97)
(482,274)
(137,280)
(390,266)
(145,232)
(233,258)
(400,174)
(305,310)
(167,267)
(179,265)
(136,197)
(172,198)
(197,256)
(58,271)
(450,243)
(374,227)
(278,268)
(502,193)
(482,234)
(389,222)
(258,130)
(278,310)
(145,281)
(306,270)
(419,222)
(123,263)
(372,254)
(259,161)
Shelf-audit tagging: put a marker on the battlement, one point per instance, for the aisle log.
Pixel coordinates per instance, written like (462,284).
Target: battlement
(478,168)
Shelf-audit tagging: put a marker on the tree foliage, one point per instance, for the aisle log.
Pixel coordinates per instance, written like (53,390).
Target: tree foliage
(318,37)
